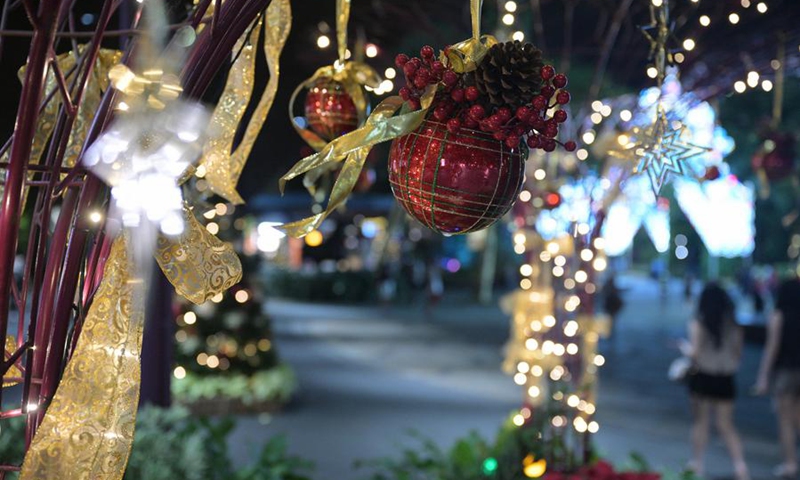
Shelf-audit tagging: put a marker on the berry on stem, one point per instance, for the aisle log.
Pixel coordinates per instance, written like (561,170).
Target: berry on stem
(563,97)
(539,102)
(450,78)
(472,94)
(401,60)
(512,141)
(413,103)
(548,72)
(533,141)
(500,135)
(547,91)
(426,51)
(549,145)
(405,93)
(454,125)
(560,81)
(410,68)
(560,116)
(570,146)
(457,95)
(477,112)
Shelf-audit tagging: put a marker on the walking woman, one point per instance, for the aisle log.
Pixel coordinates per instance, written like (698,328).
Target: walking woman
(715,347)
(782,357)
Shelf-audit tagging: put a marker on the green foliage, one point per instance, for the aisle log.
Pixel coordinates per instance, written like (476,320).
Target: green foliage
(170,444)
(276,384)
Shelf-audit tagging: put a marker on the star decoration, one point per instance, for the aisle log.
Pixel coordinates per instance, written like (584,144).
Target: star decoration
(658,150)
(660,34)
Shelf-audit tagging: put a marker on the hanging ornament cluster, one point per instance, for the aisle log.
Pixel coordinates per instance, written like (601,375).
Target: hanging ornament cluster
(462,169)
(462,126)
(659,150)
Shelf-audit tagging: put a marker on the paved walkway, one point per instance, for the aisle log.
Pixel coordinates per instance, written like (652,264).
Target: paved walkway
(368,375)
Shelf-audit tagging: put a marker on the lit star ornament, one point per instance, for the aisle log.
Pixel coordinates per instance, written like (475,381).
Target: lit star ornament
(659,150)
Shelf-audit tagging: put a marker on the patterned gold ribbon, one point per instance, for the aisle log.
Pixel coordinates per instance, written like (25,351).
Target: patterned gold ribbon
(381,126)
(88,430)
(224,168)
(198,264)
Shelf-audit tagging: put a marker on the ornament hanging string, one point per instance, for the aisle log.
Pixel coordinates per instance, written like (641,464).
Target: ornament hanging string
(381,126)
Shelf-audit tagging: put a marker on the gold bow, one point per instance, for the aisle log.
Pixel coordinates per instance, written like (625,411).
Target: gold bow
(381,126)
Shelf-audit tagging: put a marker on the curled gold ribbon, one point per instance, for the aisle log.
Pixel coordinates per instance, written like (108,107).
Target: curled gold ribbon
(382,125)
(88,429)
(223,167)
(353,148)
(198,264)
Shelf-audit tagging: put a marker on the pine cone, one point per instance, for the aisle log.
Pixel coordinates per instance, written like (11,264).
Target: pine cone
(510,74)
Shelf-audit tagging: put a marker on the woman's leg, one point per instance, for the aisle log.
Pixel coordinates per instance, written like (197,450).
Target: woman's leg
(787,408)
(724,411)
(701,420)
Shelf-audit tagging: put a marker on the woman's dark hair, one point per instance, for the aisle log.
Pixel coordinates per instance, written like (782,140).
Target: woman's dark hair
(715,310)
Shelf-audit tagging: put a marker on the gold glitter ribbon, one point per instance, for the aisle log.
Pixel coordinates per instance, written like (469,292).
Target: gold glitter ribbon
(198,264)
(381,126)
(465,56)
(88,429)
(13,374)
(224,168)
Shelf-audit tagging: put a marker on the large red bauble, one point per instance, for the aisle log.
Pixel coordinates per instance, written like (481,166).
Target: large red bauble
(330,110)
(455,183)
(776,156)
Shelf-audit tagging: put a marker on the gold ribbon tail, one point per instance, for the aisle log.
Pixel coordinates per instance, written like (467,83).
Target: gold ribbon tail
(88,429)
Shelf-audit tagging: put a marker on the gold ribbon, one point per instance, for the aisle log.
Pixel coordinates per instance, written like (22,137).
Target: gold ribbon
(353,148)
(224,168)
(88,430)
(381,126)
(198,264)
(14,373)
(465,56)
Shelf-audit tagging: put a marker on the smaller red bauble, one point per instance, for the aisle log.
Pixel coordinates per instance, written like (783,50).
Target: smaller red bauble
(712,173)
(455,183)
(330,110)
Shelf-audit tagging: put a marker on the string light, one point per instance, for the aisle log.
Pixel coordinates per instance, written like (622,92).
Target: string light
(323,41)
(625,115)
(371,50)
(679,57)
(189,318)
(213,228)
(390,73)
(733,18)
(761,7)
(658,3)
(179,373)
(739,86)
(582,154)
(511,6)
(746,3)
(652,72)
(766,85)
(705,20)
(688,44)
(508,19)
(588,137)
(95,217)
(518,36)
(752,79)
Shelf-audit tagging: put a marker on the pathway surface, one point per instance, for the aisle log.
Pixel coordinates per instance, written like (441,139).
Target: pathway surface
(369,375)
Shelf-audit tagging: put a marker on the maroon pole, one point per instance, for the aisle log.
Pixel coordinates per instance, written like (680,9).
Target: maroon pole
(27,114)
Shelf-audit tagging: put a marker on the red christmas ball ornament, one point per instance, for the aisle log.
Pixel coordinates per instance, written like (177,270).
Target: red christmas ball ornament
(712,173)
(455,183)
(776,156)
(330,110)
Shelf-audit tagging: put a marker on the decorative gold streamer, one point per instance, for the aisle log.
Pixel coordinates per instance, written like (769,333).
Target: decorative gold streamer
(223,170)
(342,16)
(197,263)
(382,125)
(14,372)
(88,429)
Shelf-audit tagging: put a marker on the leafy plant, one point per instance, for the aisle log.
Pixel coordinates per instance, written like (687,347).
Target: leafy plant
(171,444)
(276,384)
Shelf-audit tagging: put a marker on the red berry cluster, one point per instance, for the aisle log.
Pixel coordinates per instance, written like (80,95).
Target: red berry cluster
(421,72)
(462,106)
